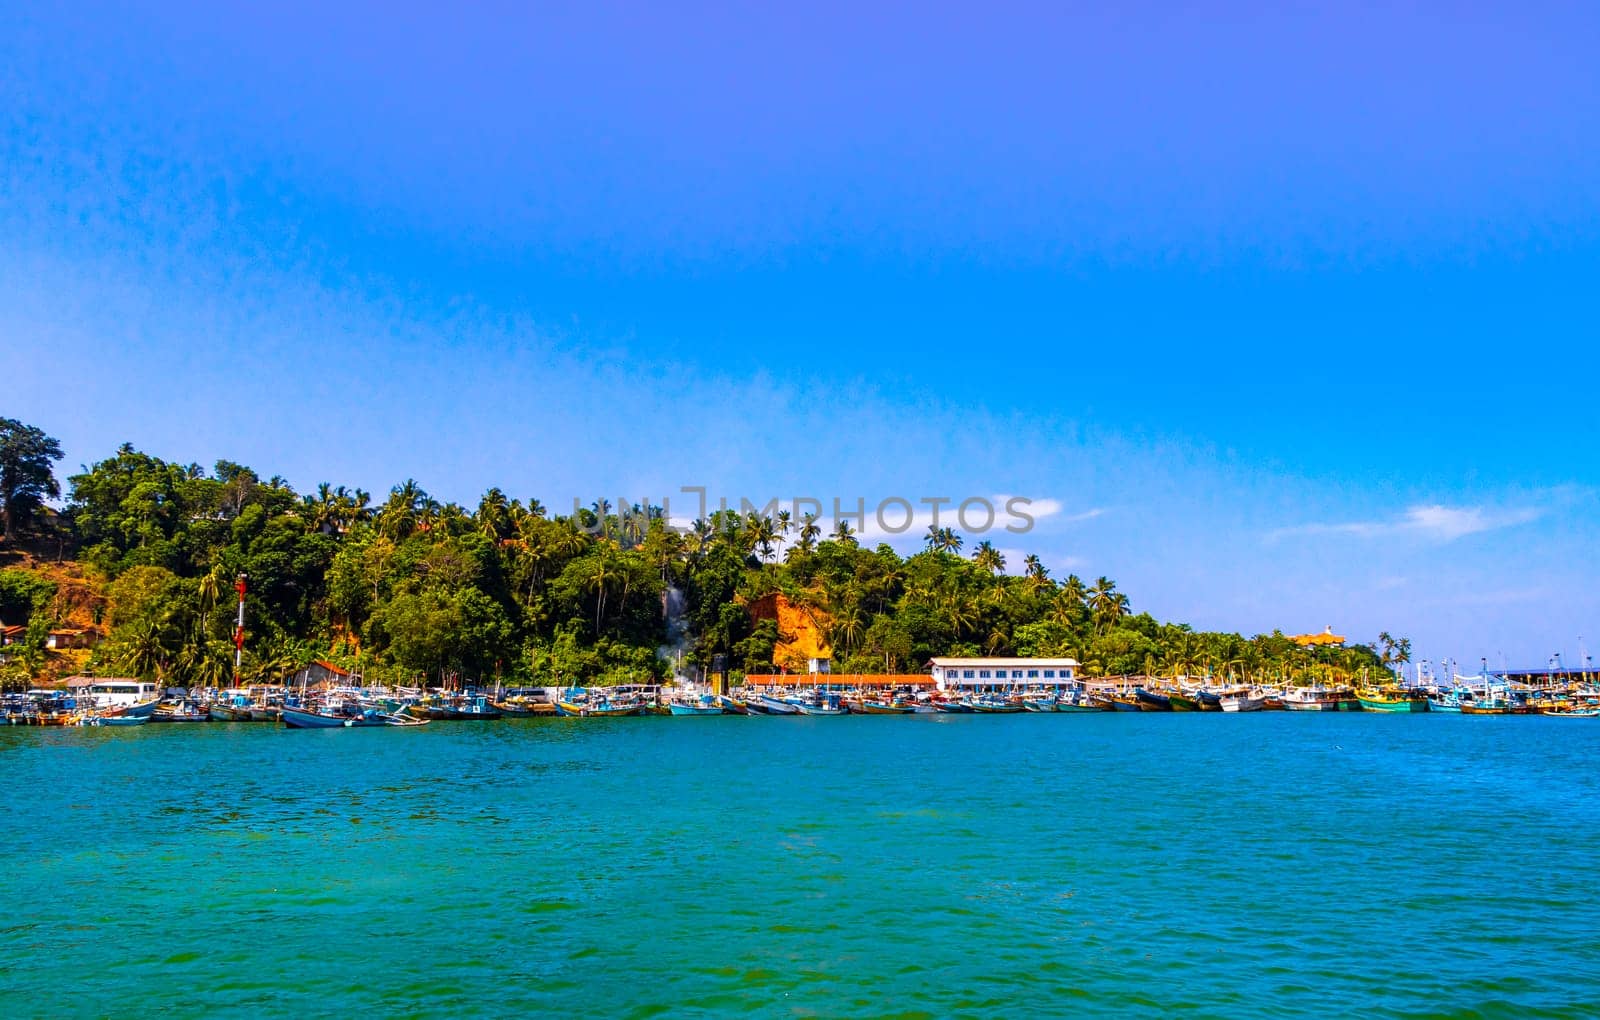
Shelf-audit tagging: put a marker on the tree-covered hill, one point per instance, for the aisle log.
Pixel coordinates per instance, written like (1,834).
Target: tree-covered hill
(412,588)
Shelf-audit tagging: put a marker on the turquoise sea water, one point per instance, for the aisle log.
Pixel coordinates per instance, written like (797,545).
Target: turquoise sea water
(1117,864)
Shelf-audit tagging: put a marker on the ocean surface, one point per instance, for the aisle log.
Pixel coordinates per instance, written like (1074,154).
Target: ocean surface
(1279,864)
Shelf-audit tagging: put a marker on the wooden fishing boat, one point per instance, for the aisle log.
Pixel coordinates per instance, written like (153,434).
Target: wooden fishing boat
(517,708)
(1152,701)
(1084,704)
(308,719)
(1309,699)
(953,707)
(995,706)
(1242,701)
(768,705)
(1486,706)
(1208,700)
(1571,713)
(1391,701)
(603,707)
(463,709)
(733,706)
(820,704)
(180,712)
(1183,702)
(705,704)
(1038,704)
(105,719)
(873,707)
(1123,702)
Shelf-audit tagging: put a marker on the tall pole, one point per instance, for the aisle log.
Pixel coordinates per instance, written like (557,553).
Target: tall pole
(238,631)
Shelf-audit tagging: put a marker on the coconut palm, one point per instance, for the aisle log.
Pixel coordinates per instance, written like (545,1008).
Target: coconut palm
(987,557)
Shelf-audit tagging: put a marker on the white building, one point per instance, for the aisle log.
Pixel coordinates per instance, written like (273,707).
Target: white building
(990,674)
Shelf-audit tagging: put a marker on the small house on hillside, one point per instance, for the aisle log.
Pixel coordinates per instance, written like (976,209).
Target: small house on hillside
(72,637)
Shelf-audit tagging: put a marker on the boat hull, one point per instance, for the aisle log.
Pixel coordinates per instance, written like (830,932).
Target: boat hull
(1399,705)
(695,710)
(301,719)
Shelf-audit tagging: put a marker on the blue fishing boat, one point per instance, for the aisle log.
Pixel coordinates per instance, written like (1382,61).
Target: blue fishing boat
(306,719)
(767,705)
(819,704)
(706,704)
(1152,701)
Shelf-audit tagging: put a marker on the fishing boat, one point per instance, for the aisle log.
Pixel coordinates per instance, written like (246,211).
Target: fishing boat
(108,719)
(1039,704)
(1487,706)
(876,707)
(1448,701)
(180,712)
(1081,702)
(1208,700)
(733,706)
(517,708)
(957,707)
(994,704)
(1152,701)
(1242,701)
(705,704)
(1571,713)
(767,705)
(1310,699)
(296,718)
(472,707)
(1391,700)
(1183,702)
(819,703)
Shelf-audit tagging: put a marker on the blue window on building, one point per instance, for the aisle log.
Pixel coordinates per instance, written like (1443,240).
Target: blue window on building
(983,674)
(1016,674)
(1033,674)
(1049,674)
(966,674)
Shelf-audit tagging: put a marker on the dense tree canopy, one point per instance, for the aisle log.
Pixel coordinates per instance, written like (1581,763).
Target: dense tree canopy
(412,588)
(26,475)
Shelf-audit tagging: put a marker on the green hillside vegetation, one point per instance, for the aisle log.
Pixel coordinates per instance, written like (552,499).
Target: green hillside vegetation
(413,589)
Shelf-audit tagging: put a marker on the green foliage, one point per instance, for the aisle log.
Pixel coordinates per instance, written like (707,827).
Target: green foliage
(416,588)
(23,594)
(27,477)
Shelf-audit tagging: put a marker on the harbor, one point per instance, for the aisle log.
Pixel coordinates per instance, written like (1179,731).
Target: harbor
(953,686)
(948,864)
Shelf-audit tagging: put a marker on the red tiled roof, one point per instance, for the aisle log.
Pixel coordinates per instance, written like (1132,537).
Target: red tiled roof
(842,679)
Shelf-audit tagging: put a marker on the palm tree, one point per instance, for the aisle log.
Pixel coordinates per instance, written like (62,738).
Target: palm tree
(843,534)
(942,540)
(1037,573)
(960,612)
(494,515)
(144,651)
(1108,604)
(987,557)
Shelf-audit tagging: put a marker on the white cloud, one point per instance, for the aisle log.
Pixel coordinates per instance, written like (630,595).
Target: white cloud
(1432,522)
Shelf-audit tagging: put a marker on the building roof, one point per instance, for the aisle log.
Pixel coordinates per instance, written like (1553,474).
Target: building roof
(330,667)
(1327,637)
(948,663)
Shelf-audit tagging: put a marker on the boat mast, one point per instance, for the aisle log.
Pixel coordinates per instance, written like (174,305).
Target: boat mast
(238,631)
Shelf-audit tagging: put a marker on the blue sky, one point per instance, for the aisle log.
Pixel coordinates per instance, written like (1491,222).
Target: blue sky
(1288,312)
